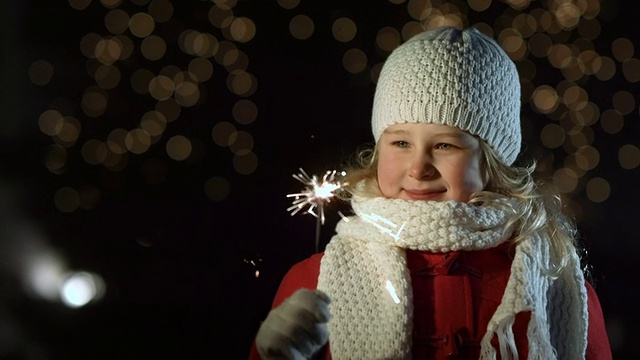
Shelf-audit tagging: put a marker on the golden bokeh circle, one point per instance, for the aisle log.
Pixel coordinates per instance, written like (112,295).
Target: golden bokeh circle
(344,29)
(301,27)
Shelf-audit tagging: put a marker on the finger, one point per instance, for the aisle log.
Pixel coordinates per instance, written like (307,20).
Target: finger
(296,355)
(307,334)
(290,333)
(323,306)
(278,338)
(323,295)
(299,323)
(310,340)
(320,333)
(315,302)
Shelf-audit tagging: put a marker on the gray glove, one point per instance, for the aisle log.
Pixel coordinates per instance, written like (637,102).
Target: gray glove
(297,328)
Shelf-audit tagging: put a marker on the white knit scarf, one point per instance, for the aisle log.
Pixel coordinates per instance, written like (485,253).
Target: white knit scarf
(364,271)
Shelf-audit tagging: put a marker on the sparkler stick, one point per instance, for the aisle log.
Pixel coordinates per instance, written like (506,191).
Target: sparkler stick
(317,192)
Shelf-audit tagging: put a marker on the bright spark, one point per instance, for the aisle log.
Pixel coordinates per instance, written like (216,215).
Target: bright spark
(255,265)
(316,193)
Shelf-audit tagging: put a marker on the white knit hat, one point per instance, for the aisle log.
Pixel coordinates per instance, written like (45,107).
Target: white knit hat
(454,77)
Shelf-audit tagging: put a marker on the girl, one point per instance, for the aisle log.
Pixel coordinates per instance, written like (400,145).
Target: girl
(453,252)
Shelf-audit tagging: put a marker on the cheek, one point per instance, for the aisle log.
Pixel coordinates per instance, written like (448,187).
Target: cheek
(382,171)
(472,175)
(387,171)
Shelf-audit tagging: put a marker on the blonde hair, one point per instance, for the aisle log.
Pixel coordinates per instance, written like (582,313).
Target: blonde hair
(513,186)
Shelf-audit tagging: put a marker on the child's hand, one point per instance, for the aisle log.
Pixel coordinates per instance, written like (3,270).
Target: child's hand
(297,328)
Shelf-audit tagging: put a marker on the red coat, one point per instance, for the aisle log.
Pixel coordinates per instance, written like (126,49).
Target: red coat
(454,295)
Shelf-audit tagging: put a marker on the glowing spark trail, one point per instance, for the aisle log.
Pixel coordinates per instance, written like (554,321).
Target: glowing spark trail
(317,192)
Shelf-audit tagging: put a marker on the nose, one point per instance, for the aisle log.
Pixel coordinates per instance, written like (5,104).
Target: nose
(421,167)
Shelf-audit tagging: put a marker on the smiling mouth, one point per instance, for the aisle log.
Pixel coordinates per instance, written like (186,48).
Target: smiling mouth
(424,194)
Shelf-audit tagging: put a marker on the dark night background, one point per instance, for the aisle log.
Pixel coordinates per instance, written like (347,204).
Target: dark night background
(179,267)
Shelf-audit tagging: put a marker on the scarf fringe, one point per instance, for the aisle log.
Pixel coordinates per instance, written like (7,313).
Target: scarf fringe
(537,334)
(540,346)
(506,341)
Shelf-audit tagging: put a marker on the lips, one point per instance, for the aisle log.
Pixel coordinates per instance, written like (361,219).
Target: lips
(424,194)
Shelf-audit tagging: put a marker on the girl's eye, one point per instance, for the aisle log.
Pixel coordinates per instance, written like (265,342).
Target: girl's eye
(444,146)
(401,143)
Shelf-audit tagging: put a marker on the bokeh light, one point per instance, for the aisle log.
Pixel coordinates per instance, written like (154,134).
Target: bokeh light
(81,288)
(201,69)
(107,77)
(565,180)
(245,162)
(598,190)
(388,39)
(110,4)
(178,147)
(79,4)
(288,4)
(301,27)
(344,29)
(220,16)
(141,25)
(94,102)
(242,29)
(241,83)
(161,10)
(243,141)
(55,159)
(67,199)
(94,151)
(42,272)
(629,156)
(116,21)
(50,122)
(552,136)
(137,141)
(245,111)
(187,93)
(69,132)
(545,99)
(40,72)
(354,60)
(224,133)
(153,47)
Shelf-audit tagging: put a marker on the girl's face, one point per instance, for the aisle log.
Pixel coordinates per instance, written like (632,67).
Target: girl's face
(429,162)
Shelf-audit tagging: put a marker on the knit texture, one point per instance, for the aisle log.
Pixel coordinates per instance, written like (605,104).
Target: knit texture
(364,271)
(460,78)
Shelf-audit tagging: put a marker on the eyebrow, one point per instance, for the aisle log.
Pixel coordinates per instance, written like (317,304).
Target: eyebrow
(387,131)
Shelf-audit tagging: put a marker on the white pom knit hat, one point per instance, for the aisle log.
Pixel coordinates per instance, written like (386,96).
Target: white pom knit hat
(454,77)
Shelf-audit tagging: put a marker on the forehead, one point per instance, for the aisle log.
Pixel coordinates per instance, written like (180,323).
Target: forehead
(428,129)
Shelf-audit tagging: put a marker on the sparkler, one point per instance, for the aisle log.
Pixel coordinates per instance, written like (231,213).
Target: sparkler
(317,192)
